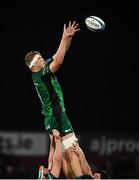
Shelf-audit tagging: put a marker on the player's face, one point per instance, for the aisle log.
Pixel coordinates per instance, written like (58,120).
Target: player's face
(40,63)
(97,176)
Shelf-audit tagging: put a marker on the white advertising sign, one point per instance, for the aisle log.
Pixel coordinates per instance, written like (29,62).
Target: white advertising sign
(28,144)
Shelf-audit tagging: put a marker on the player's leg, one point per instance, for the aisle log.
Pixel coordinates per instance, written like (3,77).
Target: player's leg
(68,139)
(50,123)
(64,125)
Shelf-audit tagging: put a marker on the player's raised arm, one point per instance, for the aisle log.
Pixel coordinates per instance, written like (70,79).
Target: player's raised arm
(68,33)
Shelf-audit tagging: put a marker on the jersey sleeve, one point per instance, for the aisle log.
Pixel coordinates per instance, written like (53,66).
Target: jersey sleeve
(47,68)
(48,61)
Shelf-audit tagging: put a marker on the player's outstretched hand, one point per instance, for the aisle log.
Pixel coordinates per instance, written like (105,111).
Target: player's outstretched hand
(71,29)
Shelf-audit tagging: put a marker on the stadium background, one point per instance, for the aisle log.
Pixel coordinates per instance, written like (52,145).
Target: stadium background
(98,76)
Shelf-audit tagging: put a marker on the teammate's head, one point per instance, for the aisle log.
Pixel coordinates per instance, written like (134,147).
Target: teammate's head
(34,61)
(101,174)
(42,172)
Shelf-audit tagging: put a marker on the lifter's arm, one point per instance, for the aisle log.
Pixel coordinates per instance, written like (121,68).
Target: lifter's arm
(51,152)
(57,156)
(83,161)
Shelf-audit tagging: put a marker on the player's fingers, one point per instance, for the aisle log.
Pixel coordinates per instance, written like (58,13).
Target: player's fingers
(77,30)
(73,23)
(72,147)
(69,23)
(76,25)
(64,27)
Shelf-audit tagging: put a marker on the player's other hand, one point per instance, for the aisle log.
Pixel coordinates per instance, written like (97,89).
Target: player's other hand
(56,133)
(75,147)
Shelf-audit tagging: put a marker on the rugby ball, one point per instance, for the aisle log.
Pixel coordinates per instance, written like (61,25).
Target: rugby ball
(95,23)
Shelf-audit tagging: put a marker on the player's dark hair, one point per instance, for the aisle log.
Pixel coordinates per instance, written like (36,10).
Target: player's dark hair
(29,56)
(104,174)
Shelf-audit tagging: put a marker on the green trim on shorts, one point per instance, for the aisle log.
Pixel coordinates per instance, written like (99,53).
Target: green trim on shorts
(62,124)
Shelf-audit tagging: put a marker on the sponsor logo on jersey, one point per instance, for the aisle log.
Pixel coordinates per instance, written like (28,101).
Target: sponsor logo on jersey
(48,127)
(67,130)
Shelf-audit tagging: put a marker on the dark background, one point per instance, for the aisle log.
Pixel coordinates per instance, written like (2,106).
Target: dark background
(99,76)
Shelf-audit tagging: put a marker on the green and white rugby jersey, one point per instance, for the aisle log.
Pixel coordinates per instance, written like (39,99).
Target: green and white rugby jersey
(49,91)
